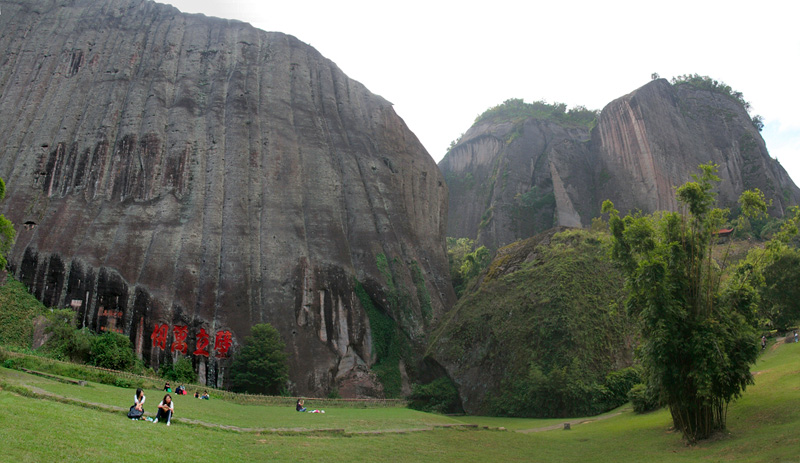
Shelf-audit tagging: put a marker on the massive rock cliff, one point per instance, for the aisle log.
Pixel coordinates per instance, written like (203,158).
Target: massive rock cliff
(179,178)
(511,177)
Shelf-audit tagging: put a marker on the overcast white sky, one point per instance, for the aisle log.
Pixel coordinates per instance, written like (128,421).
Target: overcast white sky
(444,62)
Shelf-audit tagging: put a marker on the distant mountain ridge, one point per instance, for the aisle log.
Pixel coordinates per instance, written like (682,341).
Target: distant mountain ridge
(510,178)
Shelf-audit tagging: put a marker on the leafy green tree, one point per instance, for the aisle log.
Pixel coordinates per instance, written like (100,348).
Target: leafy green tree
(781,292)
(758,122)
(698,338)
(475,262)
(7,232)
(112,350)
(457,251)
(181,372)
(260,365)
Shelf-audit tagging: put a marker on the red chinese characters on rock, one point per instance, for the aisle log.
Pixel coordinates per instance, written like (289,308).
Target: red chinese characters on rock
(179,344)
(202,343)
(159,336)
(222,343)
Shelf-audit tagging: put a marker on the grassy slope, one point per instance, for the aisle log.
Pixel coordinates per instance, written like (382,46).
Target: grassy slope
(17,309)
(762,427)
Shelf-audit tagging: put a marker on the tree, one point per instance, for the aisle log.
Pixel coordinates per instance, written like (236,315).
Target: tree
(7,232)
(464,261)
(698,338)
(260,365)
(475,262)
(181,372)
(781,291)
(758,122)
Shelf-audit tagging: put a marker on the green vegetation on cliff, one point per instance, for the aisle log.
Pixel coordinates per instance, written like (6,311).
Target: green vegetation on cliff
(7,232)
(719,87)
(515,110)
(466,262)
(546,328)
(389,344)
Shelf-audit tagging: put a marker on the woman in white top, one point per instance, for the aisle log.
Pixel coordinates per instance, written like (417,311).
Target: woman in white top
(165,409)
(138,402)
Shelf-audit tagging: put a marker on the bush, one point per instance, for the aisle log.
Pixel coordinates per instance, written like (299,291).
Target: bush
(112,350)
(440,396)
(619,383)
(67,343)
(180,372)
(643,399)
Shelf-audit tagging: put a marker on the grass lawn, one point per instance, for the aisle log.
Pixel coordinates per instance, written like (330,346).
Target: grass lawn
(762,427)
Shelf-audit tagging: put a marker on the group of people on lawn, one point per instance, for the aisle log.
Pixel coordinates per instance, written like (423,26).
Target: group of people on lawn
(165,408)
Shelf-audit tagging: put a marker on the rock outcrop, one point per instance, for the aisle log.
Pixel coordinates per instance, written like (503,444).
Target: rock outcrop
(512,178)
(179,178)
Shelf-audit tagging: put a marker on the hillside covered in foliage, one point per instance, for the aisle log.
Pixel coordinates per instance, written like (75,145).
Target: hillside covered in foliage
(544,333)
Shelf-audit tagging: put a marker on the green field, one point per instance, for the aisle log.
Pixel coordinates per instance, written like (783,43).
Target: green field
(46,420)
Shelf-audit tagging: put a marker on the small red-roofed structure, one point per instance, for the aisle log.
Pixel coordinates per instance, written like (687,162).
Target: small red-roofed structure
(723,234)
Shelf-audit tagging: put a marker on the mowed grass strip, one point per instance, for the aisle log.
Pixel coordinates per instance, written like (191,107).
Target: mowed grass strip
(762,427)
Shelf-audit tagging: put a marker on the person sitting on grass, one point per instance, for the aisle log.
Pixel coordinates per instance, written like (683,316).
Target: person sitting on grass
(300,407)
(137,411)
(166,387)
(205,395)
(196,395)
(165,410)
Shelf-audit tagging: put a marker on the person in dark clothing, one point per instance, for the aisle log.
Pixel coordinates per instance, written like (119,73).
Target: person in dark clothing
(165,410)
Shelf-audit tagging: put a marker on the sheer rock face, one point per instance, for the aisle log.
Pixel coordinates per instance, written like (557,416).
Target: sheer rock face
(175,170)
(509,181)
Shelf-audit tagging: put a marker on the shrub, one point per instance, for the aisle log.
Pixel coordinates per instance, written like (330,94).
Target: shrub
(67,343)
(619,383)
(181,372)
(439,396)
(112,350)
(643,399)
